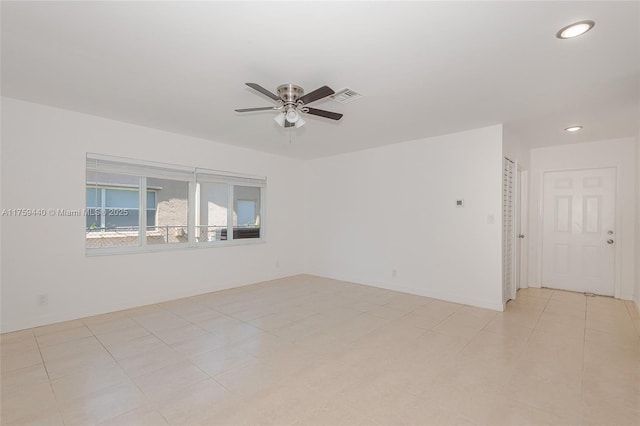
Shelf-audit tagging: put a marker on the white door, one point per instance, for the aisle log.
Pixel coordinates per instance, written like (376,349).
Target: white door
(578,250)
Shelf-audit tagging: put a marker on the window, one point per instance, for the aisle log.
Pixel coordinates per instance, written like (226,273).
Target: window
(183,206)
(215,220)
(212,213)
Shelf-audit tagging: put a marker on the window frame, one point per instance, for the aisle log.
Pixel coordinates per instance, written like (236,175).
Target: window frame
(137,168)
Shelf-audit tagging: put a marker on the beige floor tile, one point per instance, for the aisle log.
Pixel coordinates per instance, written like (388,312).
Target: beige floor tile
(522,317)
(452,327)
(144,416)
(49,417)
(19,361)
(567,309)
(83,346)
(607,414)
(19,346)
(58,327)
(136,346)
(77,385)
(503,326)
(108,326)
(620,326)
(218,361)
(16,336)
(599,390)
(605,339)
(180,334)
(33,375)
(170,380)
(473,374)
(113,338)
(160,320)
(217,322)
(547,396)
(26,402)
(73,363)
(103,405)
(493,346)
(196,404)
(569,297)
(509,412)
(149,362)
(251,378)
(63,336)
(334,414)
(200,344)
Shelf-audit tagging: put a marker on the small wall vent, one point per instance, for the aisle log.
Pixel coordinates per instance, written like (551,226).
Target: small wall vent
(346,95)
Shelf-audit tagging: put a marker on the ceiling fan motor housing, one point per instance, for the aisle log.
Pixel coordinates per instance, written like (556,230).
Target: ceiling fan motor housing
(290,93)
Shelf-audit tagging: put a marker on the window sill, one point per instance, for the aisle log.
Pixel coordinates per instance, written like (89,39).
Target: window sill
(171,247)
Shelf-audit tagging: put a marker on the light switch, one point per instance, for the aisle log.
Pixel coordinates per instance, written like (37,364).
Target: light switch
(491,219)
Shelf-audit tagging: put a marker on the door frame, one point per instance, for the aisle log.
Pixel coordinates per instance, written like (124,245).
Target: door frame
(617,284)
(522,271)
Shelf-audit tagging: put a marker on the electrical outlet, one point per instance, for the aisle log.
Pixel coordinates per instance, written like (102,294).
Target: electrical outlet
(277,263)
(43,299)
(394,273)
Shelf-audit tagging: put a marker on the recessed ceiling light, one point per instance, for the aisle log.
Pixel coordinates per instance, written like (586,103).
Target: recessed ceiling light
(573,128)
(575,30)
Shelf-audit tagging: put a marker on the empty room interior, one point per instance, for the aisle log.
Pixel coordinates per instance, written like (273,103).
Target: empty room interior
(320,213)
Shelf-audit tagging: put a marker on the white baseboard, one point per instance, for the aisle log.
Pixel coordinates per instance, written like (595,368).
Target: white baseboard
(486,304)
(7,327)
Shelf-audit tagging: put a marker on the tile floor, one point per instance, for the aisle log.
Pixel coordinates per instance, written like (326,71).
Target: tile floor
(312,351)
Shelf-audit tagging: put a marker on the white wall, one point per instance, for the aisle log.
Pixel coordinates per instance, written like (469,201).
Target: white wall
(619,153)
(393,207)
(43,166)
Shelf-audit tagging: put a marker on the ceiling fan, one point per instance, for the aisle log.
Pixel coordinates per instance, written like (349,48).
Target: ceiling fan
(291,102)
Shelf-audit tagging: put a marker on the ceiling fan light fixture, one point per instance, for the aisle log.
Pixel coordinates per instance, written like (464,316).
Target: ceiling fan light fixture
(300,122)
(292,115)
(280,119)
(574,30)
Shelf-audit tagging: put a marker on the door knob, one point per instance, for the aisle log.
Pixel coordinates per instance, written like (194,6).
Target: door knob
(609,241)
(520,235)
(610,232)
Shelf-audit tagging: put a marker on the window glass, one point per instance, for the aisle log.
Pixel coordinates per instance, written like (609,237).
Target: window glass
(212,213)
(246,212)
(170,222)
(112,210)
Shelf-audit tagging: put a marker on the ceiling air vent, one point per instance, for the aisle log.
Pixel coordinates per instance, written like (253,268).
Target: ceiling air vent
(346,95)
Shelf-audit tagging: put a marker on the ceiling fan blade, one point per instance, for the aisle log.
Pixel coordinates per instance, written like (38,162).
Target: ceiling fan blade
(288,124)
(263,91)
(323,113)
(320,93)
(255,109)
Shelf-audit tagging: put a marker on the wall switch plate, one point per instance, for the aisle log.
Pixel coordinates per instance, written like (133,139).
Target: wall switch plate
(491,219)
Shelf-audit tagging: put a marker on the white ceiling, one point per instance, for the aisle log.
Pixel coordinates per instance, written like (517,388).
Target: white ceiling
(424,68)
